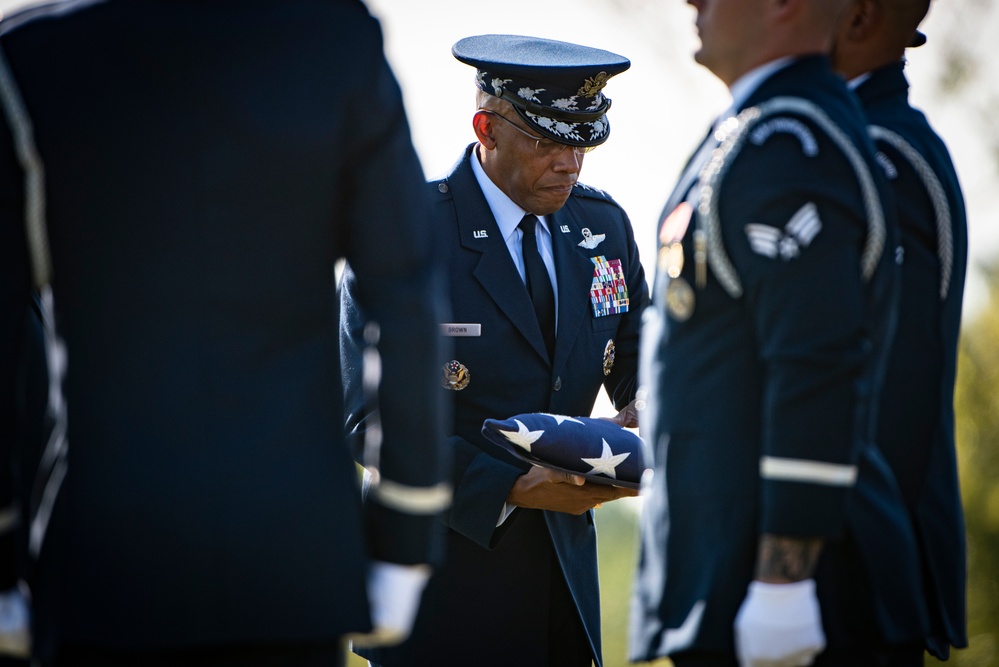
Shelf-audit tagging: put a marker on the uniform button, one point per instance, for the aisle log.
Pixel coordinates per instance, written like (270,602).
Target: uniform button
(442,187)
(640,396)
(558,383)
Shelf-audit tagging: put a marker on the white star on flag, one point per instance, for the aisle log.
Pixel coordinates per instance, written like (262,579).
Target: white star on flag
(522,437)
(563,418)
(607,462)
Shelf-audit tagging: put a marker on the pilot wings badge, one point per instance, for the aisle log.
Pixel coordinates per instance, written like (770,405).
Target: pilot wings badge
(786,243)
(591,240)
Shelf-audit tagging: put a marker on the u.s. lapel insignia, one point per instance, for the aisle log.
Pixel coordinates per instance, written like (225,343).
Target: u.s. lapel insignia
(591,240)
(609,357)
(456,376)
(679,299)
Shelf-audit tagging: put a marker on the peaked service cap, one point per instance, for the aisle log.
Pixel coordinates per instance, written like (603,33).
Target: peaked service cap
(556,87)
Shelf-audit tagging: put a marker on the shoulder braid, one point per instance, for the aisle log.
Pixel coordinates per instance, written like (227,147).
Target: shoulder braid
(941,207)
(735,132)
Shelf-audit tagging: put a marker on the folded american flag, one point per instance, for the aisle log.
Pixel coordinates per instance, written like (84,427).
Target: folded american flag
(597,449)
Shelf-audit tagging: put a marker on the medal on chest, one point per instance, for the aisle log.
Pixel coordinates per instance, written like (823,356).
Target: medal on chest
(678,294)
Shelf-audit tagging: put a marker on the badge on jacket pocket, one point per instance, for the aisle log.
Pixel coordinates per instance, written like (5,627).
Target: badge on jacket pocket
(456,376)
(609,354)
(609,290)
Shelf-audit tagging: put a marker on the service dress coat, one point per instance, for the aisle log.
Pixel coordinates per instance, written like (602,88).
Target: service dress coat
(206,164)
(490,603)
(916,423)
(763,364)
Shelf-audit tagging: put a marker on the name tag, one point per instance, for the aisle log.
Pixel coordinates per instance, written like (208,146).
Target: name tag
(461,330)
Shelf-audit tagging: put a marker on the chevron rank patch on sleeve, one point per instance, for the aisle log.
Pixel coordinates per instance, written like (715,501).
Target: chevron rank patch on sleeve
(598,449)
(786,243)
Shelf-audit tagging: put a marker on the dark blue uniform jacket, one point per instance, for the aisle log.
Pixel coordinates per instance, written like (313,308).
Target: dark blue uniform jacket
(207,163)
(916,426)
(763,394)
(490,603)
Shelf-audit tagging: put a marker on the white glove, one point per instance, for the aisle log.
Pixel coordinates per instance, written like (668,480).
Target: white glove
(779,625)
(394,593)
(15,624)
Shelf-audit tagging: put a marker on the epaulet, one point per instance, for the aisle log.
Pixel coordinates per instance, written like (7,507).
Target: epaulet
(938,197)
(439,185)
(749,125)
(584,190)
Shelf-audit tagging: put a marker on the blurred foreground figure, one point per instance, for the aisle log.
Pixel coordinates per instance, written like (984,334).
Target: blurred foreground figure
(916,423)
(188,173)
(774,532)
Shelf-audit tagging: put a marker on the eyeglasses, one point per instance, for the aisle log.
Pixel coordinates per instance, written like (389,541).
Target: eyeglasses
(541,144)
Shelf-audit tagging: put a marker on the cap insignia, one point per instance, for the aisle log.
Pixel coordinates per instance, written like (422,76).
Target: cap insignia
(565,104)
(530,94)
(593,85)
(498,84)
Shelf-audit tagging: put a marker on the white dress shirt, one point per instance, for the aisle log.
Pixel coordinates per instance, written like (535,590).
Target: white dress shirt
(508,215)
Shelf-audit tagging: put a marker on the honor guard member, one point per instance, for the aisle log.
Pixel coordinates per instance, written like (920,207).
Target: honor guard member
(916,423)
(546,291)
(177,182)
(773,532)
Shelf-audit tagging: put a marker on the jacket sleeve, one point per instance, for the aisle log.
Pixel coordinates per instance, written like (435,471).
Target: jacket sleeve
(398,288)
(480,482)
(796,230)
(622,383)
(15,299)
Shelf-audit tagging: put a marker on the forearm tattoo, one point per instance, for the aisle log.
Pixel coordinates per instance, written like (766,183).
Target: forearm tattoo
(786,559)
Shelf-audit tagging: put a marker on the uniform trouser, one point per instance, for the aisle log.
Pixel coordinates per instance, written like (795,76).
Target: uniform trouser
(319,655)
(568,645)
(901,656)
(567,642)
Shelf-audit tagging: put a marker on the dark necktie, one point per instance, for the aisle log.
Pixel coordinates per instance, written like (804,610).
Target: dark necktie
(539,285)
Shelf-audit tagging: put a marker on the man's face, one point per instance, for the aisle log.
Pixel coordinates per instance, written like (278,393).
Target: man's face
(537,177)
(731,32)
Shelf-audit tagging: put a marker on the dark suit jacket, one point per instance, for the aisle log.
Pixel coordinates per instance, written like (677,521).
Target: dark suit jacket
(489,604)
(207,163)
(916,427)
(763,401)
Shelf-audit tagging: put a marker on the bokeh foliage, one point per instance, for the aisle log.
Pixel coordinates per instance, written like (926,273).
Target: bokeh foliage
(977,405)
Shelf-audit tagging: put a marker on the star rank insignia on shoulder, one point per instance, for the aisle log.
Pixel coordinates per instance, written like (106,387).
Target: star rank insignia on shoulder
(584,190)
